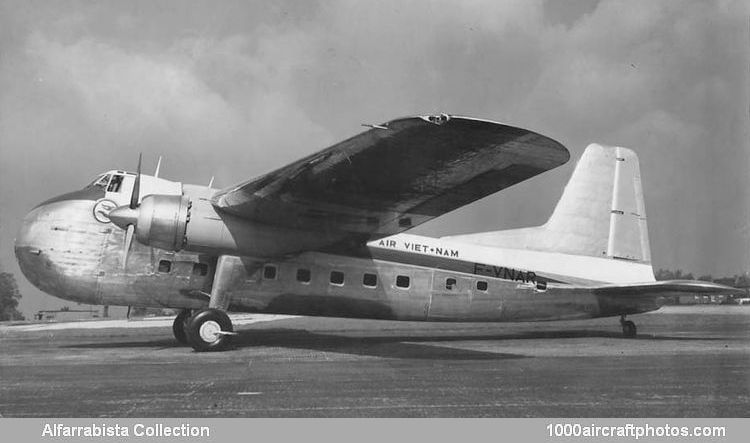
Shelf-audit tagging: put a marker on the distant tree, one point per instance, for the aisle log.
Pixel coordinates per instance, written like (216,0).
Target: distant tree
(727,281)
(742,281)
(666,274)
(663,274)
(707,277)
(9,297)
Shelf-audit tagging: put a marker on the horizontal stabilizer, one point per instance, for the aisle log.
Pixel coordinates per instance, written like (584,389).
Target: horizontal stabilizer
(668,288)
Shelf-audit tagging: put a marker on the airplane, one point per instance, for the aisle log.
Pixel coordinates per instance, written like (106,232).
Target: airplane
(328,236)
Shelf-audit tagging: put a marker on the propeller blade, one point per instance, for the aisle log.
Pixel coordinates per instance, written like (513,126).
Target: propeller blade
(136,186)
(158,167)
(128,241)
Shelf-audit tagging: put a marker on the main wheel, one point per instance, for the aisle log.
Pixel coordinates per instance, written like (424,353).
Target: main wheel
(180,324)
(209,330)
(628,329)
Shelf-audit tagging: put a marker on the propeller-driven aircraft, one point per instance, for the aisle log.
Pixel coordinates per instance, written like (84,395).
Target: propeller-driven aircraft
(327,236)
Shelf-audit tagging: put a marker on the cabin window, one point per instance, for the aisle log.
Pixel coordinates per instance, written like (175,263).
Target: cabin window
(165,266)
(200,269)
(337,278)
(269,272)
(450,284)
(482,286)
(370,280)
(115,184)
(303,275)
(402,281)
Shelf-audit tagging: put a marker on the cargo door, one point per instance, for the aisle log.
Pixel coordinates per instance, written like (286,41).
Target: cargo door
(451,296)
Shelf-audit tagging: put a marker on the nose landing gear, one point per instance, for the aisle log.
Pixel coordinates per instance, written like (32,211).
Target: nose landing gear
(628,327)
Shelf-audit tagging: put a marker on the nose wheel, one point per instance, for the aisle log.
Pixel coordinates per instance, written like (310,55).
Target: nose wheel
(628,327)
(209,330)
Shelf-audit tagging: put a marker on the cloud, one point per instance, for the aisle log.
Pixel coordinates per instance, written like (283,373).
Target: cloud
(209,96)
(131,93)
(670,80)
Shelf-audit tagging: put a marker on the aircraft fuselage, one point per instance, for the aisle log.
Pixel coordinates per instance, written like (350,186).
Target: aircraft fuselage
(68,250)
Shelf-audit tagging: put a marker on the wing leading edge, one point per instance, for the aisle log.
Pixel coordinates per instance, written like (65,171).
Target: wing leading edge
(394,176)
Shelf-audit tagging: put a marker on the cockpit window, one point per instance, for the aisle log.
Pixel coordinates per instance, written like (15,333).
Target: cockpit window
(101,181)
(115,183)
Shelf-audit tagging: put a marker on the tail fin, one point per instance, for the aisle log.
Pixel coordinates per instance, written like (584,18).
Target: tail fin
(601,212)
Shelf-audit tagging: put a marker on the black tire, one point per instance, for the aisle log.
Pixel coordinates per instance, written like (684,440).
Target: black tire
(180,324)
(628,329)
(201,330)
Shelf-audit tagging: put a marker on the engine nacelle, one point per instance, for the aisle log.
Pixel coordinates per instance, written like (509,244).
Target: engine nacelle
(162,221)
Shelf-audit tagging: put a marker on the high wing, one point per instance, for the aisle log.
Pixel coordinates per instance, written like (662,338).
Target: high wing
(394,176)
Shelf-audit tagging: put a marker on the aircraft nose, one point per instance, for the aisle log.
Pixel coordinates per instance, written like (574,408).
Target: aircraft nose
(45,226)
(28,246)
(59,247)
(25,237)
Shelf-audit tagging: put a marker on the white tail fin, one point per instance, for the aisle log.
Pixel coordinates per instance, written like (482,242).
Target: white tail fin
(601,212)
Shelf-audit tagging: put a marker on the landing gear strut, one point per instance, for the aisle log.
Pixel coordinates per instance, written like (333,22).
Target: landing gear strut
(209,330)
(628,327)
(180,325)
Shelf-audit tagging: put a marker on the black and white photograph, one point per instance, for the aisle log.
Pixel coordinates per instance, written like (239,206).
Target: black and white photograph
(374,209)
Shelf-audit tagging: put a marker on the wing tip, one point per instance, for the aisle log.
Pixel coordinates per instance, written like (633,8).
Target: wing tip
(444,117)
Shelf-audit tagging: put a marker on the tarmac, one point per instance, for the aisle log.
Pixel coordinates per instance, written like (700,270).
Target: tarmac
(685,362)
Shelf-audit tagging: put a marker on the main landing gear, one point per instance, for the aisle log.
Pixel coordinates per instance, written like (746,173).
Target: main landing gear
(206,330)
(180,325)
(628,327)
(211,329)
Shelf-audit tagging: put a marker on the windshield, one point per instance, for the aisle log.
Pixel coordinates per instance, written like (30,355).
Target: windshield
(100,181)
(115,183)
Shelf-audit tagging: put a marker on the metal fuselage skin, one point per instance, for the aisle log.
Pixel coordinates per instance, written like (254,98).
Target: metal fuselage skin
(69,251)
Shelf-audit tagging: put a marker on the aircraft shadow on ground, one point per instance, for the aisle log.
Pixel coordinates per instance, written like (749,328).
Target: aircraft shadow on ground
(398,345)
(402,347)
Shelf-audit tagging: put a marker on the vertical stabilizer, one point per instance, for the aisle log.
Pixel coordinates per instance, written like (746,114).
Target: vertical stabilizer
(600,214)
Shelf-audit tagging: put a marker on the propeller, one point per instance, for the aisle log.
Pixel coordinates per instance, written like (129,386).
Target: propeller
(137,185)
(128,241)
(127,216)
(159,220)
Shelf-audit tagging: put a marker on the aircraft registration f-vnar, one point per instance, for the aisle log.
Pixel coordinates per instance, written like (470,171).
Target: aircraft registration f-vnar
(325,236)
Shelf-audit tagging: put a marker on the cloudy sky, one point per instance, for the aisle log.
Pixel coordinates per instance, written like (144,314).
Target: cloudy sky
(234,88)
